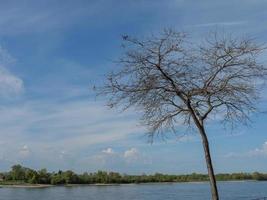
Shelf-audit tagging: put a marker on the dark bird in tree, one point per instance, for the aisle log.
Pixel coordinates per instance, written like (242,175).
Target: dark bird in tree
(125,37)
(172,80)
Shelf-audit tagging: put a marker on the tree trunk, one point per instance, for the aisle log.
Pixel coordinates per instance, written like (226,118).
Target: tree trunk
(213,185)
(205,143)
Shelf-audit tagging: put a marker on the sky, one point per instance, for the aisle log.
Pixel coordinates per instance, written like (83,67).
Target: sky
(52,53)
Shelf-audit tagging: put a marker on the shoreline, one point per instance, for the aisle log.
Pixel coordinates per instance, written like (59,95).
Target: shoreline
(107,184)
(25,185)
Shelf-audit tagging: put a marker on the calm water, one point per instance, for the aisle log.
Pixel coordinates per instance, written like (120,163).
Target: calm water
(190,191)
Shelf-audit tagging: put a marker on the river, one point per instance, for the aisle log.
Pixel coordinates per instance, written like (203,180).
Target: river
(173,191)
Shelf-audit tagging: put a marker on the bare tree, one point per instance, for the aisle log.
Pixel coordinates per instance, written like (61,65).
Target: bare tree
(172,80)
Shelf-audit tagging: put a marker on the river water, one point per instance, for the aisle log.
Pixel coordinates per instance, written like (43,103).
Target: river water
(174,191)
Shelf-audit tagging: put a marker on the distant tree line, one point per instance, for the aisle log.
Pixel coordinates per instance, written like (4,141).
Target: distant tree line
(21,175)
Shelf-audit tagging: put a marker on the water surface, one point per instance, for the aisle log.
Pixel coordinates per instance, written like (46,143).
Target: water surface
(174,191)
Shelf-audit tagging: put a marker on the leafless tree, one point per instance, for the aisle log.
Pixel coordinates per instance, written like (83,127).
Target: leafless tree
(172,80)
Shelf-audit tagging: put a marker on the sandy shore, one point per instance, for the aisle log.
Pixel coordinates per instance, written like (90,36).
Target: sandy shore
(102,184)
(26,186)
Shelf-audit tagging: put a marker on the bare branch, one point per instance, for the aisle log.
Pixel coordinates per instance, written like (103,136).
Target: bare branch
(171,80)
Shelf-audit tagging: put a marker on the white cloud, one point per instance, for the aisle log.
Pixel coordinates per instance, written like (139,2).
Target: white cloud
(233,23)
(62,154)
(9,84)
(38,17)
(132,153)
(70,125)
(24,18)
(24,151)
(108,159)
(257,152)
(108,151)
(232,155)
(262,151)
(62,130)
(187,138)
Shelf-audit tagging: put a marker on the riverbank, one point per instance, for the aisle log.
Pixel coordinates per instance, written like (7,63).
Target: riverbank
(26,185)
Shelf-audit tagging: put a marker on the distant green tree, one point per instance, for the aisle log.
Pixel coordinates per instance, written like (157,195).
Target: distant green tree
(57,179)
(17,172)
(20,174)
(70,177)
(31,176)
(44,176)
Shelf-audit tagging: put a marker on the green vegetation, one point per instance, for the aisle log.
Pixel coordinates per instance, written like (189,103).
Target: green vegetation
(22,175)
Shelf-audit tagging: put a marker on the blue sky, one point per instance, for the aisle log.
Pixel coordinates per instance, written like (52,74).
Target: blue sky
(53,52)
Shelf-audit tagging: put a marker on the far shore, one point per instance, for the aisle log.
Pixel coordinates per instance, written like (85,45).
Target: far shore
(103,184)
(25,185)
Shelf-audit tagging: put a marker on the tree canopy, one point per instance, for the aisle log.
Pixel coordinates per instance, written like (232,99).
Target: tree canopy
(23,175)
